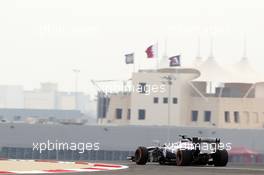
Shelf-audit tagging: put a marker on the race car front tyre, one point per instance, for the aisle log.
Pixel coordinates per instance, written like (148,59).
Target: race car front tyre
(141,156)
(220,158)
(184,157)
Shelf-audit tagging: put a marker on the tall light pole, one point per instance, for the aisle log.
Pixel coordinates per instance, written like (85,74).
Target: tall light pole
(169,81)
(76,72)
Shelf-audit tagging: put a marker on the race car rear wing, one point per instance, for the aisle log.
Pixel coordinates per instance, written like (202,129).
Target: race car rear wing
(201,139)
(205,140)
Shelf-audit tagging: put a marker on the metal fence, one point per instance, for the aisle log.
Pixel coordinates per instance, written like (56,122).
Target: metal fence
(29,153)
(247,159)
(100,155)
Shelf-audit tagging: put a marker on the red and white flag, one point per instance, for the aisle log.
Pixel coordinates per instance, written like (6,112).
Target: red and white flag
(152,51)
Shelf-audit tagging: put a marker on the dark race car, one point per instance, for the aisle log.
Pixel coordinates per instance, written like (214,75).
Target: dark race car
(187,151)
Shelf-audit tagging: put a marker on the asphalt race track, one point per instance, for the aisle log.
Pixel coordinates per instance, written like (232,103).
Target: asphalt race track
(155,169)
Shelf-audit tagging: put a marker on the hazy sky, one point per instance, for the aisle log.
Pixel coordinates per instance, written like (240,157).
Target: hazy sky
(44,40)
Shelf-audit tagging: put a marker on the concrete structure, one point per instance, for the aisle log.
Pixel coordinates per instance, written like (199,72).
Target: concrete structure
(122,138)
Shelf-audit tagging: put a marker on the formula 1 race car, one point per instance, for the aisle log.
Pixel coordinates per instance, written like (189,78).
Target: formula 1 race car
(187,151)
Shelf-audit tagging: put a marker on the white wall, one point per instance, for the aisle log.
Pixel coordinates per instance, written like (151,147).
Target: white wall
(118,101)
(259,92)
(157,114)
(66,101)
(39,100)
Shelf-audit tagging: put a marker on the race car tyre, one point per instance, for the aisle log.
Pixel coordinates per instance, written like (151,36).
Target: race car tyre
(141,156)
(184,157)
(220,158)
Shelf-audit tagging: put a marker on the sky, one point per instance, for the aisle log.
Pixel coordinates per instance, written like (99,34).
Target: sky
(44,40)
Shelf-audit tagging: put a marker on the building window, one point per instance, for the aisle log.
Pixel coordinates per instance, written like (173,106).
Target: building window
(227,116)
(194,116)
(165,100)
(155,100)
(118,113)
(141,114)
(128,114)
(236,117)
(142,88)
(175,100)
(207,116)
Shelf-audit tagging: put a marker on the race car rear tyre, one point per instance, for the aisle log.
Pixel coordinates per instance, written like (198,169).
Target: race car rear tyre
(141,156)
(220,158)
(184,157)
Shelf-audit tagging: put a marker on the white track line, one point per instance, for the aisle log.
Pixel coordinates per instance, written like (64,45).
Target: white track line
(91,167)
(230,168)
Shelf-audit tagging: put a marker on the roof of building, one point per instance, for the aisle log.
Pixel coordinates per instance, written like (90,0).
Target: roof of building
(242,72)
(211,71)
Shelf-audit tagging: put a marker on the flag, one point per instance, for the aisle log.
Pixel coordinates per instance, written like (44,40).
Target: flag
(152,51)
(175,61)
(129,58)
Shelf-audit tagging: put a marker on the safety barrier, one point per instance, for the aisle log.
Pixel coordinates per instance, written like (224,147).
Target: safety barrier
(29,153)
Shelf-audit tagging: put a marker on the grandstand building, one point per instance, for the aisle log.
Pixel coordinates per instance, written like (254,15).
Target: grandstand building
(205,95)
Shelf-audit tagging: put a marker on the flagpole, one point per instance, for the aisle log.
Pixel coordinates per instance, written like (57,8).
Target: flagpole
(165,47)
(128,66)
(134,64)
(157,59)
(179,65)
